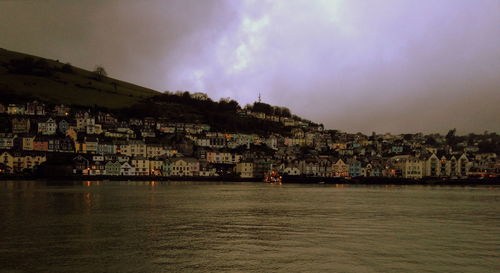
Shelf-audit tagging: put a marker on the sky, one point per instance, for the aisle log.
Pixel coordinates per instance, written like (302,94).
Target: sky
(399,66)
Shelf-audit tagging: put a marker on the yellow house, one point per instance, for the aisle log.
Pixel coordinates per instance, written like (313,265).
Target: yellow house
(409,166)
(81,147)
(184,166)
(141,165)
(340,168)
(27,143)
(8,162)
(245,169)
(19,162)
(155,166)
(31,161)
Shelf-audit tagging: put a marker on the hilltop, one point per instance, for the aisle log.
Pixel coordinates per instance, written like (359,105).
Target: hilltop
(26,76)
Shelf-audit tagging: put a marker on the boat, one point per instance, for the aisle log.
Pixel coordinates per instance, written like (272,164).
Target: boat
(273,177)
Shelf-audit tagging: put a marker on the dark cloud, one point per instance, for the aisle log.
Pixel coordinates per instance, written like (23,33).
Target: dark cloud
(385,66)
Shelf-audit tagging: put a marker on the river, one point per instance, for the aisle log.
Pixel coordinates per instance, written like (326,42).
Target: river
(108,226)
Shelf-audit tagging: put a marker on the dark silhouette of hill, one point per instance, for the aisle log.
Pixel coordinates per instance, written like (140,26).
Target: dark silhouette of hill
(27,76)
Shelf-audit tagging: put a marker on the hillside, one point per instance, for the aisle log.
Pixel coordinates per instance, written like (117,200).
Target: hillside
(27,76)
(222,116)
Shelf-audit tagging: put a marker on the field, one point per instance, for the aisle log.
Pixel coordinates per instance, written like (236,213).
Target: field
(55,82)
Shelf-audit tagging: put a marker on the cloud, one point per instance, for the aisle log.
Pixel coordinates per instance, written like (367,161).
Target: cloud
(394,65)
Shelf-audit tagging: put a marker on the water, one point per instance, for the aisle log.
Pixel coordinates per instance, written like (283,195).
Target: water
(247,227)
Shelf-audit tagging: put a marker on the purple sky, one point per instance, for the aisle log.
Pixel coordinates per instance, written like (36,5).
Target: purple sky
(386,66)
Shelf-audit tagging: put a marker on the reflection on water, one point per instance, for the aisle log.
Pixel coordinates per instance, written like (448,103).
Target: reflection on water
(151,226)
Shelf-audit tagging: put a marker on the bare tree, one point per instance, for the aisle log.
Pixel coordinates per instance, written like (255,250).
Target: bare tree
(100,72)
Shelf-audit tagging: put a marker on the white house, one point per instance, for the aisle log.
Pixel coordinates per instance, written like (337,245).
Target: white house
(48,127)
(127,169)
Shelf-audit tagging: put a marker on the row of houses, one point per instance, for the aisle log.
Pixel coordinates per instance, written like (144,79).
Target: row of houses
(304,150)
(20,162)
(118,164)
(34,108)
(160,166)
(405,166)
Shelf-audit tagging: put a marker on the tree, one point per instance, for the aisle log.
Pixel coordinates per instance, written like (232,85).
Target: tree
(100,72)
(262,108)
(451,139)
(486,146)
(67,68)
(407,136)
(430,140)
(285,112)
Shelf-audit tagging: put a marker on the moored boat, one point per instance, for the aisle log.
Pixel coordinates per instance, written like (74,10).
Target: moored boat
(273,177)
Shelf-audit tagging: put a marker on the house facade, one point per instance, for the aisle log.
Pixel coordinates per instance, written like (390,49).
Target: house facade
(244,169)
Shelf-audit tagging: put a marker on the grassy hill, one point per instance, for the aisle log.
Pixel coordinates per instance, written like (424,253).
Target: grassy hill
(23,75)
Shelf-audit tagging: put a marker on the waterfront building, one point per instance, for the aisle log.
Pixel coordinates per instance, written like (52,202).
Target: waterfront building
(7,162)
(141,165)
(127,169)
(432,166)
(464,165)
(244,169)
(340,168)
(80,164)
(354,167)
(408,166)
(182,166)
(155,166)
(113,168)
(292,170)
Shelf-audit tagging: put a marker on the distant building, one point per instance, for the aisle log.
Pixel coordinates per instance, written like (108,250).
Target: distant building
(15,109)
(182,166)
(244,169)
(35,108)
(407,166)
(113,168)
(47,127)
(199,96)
(6,141)
(20,125)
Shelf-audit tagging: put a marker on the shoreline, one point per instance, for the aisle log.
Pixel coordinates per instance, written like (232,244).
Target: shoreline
(286,180)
